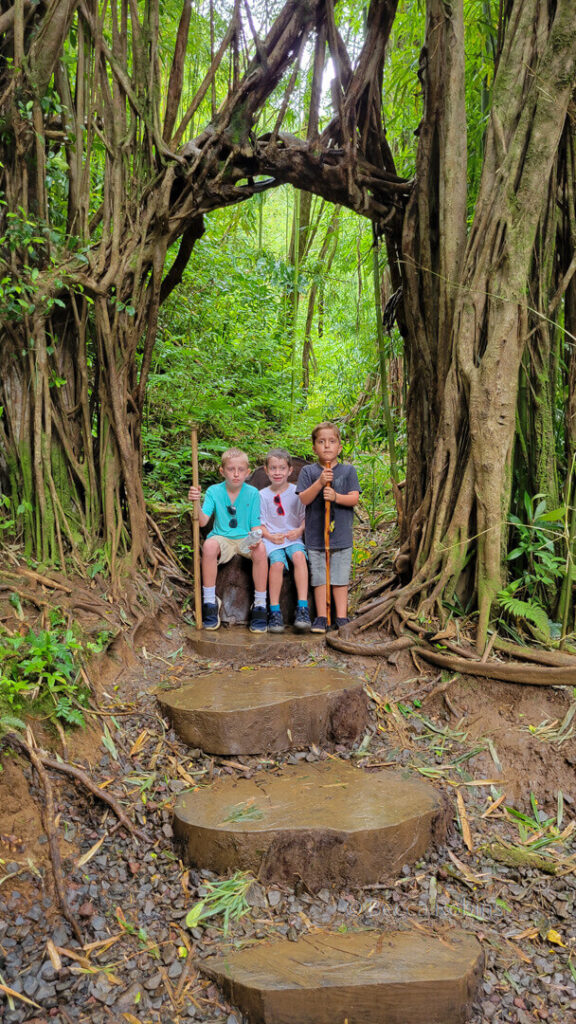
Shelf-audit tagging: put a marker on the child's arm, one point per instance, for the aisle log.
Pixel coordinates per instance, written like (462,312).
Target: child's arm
(311,492)
(346,500)
(275,538)
(296,534)
(195,494)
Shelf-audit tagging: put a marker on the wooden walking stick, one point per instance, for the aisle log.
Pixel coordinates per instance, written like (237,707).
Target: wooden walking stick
(196,530)
(327,518)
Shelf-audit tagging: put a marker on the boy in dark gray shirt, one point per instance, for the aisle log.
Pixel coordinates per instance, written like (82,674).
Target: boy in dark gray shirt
(336,482)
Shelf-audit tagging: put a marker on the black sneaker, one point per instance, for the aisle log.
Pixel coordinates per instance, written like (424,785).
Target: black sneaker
(342,622)
(211,615)
(302,620)
(258,622)
(275,622)
(320,624)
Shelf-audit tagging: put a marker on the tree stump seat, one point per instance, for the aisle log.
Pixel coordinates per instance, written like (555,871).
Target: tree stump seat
(366,977)
(267,710)
(328,824)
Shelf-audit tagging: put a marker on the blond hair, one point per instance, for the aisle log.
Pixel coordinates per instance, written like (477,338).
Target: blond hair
(325,426)
(233,453)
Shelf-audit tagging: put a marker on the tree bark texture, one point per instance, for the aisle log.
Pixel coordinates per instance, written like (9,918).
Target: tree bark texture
(481,324)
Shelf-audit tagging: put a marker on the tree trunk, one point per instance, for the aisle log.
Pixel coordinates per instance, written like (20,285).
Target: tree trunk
(466,501)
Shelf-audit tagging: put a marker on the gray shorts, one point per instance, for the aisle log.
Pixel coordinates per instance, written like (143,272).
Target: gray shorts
(340,565)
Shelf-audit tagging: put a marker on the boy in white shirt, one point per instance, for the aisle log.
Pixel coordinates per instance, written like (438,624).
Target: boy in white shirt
(282,518)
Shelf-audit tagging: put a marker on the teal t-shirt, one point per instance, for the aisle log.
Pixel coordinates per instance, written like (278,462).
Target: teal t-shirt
(246,505)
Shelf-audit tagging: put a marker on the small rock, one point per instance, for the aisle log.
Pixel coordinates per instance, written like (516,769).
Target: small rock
(86,909)
(30,985)
(131,997)
(100,988)
(153,982)
(44,993)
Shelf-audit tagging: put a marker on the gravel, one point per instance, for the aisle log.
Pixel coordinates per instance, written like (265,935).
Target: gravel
(136,895)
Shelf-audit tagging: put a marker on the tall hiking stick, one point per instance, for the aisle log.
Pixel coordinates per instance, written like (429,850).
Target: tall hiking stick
(327,517)
(196,530)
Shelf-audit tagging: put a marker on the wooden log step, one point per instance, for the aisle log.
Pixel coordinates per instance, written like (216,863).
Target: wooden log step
(370,977)
(238,644)
(267,710)
(329,824)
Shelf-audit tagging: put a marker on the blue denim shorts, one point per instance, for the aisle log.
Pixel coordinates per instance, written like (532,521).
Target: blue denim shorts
(283,554)
(340,566)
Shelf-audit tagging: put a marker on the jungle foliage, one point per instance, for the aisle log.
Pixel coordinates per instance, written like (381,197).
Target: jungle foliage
(192,200)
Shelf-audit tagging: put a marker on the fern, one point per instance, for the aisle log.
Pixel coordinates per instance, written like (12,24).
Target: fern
(9,722)
(525,610)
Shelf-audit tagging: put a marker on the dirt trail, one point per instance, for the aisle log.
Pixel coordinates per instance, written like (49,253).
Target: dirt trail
(476,741)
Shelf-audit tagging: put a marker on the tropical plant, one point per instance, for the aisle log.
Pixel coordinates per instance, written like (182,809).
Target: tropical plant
(39,674)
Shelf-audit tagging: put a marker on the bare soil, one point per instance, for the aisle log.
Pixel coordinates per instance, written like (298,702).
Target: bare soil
(486,745)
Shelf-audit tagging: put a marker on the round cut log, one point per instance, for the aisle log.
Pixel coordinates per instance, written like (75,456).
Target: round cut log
(327,823)
(267,710)
(239,644)
(371,977)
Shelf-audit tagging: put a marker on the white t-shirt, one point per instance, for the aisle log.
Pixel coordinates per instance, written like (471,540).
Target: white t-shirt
(294,512)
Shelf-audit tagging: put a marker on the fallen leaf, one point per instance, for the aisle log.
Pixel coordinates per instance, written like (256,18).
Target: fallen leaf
(494,807)
(90,853)
(139,743)
(464,823)
(54,955)
(553,936)
(18,995)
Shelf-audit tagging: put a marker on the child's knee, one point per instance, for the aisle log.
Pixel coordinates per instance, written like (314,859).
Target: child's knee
(211,550)
(258,553)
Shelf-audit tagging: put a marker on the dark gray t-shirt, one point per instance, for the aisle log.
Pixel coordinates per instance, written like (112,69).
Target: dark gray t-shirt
(345,480)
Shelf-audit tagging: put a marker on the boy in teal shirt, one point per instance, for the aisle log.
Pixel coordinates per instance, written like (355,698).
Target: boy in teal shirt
(236,509)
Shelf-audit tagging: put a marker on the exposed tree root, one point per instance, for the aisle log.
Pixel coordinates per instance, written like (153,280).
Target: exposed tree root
(541,657)
(532,667)
(341,643)
(37,755)
(508,672)
(47,811)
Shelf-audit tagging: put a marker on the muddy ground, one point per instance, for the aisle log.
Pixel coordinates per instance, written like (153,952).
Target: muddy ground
(487,745)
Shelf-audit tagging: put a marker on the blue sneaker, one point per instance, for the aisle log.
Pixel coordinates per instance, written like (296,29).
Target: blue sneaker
(258,623)
(302,620)
(275,622)
(320,624)
(211,615)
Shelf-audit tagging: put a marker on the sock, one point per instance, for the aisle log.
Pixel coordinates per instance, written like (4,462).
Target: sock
(302,604)
(274,607)
(209,595)
(259,598)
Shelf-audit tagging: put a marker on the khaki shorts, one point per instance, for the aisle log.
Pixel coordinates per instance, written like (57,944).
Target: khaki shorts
(229,546)
(340,565)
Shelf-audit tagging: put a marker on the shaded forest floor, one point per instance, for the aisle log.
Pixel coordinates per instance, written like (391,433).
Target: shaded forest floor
(487,745)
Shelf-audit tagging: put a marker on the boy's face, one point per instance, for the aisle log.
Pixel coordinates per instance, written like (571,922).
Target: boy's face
(327,446)
(235,471)
(277,471)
